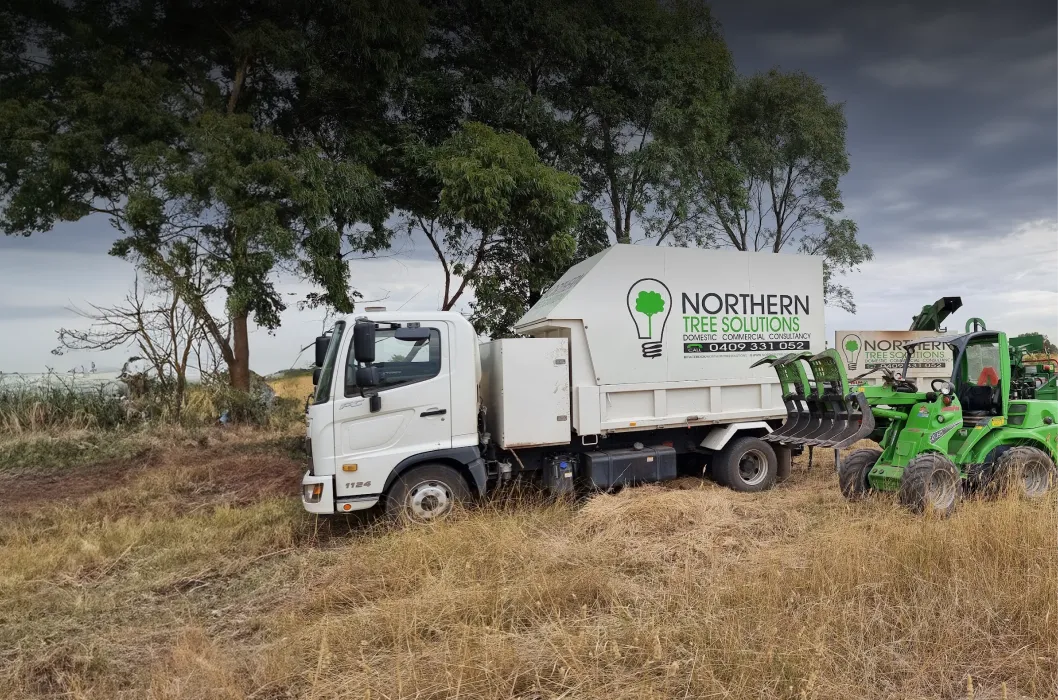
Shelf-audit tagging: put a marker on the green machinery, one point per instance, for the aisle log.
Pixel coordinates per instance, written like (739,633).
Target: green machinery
(974,432)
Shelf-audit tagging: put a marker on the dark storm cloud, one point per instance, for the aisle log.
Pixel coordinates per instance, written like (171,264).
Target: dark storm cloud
(951,106)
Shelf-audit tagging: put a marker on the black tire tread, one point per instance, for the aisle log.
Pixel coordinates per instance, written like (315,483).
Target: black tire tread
(725,467)
(1008,466)
(394,498)
(852,475)
(916,478)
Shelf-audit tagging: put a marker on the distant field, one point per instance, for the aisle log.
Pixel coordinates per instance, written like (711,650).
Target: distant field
(293,387)
(187,569)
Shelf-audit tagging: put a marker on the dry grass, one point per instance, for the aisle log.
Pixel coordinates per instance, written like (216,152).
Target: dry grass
(297,387)
(194,574)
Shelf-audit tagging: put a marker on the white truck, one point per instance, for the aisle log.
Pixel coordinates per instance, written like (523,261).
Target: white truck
(634,367)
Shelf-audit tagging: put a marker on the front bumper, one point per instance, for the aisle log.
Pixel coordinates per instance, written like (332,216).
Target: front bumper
(324,502)
(317,495)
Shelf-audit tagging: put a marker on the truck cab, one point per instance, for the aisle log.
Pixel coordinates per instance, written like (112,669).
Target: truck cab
(420,408)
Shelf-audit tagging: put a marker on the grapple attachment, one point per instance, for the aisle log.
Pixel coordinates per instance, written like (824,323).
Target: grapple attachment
(795,393)
(822,413)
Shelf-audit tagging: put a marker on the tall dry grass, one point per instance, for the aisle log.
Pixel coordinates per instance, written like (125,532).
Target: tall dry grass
(177,584)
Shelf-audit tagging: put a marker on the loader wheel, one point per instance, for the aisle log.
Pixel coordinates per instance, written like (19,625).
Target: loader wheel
(931,482)
(746,464)
(1025,471)
(852,476)
(426,494)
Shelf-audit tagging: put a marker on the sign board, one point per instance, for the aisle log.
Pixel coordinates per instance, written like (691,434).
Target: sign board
(659,314)
(867,350)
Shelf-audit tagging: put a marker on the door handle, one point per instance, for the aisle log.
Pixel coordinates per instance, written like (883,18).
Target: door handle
(434,412)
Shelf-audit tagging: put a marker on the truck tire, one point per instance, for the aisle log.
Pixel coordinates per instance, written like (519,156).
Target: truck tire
(931,482)
(852,476)
(426,493)
(1026,471)
(746,464)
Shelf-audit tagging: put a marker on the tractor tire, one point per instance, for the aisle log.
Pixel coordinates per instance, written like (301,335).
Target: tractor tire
(426,493)
(746,464)
(852,476)
(1028,472)
(931,483)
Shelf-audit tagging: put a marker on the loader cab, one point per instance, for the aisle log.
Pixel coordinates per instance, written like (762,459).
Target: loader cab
(981,377)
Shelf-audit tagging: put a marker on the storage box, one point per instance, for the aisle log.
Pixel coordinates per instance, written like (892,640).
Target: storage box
(525,390)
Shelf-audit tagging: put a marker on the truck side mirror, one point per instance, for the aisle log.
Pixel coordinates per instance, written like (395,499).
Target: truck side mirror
(321,349)
(316,376)
(363,343)
(367,377)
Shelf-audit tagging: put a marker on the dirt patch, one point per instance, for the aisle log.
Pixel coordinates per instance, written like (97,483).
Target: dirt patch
(196,472)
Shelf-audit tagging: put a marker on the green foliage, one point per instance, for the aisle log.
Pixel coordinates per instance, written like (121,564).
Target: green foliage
(650,303)
(247,140)
(482,198)
(602,90)
(774,183)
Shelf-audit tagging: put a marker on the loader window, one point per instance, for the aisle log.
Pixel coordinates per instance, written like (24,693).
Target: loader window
(399,362)
(978,390)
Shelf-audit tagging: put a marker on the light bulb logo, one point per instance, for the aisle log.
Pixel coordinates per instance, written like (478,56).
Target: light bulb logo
(649,304)
(851,348)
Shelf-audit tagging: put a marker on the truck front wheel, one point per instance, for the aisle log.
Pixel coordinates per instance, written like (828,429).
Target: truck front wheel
(426,493)
(746,464)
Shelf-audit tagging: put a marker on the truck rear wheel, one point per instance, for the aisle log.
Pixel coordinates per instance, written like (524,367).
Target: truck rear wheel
(1025,471)
(746,464)
(852,476)
(931,482)
(426,493)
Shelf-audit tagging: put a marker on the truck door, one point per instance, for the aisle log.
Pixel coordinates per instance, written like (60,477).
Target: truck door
(415,416)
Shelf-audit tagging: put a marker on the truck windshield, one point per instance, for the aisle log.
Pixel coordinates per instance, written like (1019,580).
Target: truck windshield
(323,389)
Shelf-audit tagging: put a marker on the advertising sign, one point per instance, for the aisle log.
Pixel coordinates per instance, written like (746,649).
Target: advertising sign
(658,314)
(867,350)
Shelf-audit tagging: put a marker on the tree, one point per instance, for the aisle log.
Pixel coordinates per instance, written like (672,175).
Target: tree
(206,131)
(158,324)
(481,193)
(649,304)
(786,149)
(586,84)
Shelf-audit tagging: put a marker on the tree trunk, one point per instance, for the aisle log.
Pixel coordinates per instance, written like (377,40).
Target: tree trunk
(178,393)
(239,366)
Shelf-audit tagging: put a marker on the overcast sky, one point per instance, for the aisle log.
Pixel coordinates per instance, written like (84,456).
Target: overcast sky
(953,140)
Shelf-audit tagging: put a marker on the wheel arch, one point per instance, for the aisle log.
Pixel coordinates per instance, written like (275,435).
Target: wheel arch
(992,443)
(465,460)
(720,435)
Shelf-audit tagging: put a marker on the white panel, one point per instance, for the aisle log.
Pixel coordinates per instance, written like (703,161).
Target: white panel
(586,419)
(741,398)
(688,402)
(625,406)
(528,391)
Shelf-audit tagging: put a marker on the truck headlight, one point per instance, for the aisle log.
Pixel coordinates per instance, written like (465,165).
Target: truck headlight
(312,492)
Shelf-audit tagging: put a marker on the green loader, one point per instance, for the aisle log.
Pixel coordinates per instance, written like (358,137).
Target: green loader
(972,433)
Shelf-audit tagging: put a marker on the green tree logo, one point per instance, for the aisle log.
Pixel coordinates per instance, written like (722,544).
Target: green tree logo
(852,346)
(648,304)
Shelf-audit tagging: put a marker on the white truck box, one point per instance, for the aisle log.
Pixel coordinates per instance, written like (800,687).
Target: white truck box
(525,391)
(664,337)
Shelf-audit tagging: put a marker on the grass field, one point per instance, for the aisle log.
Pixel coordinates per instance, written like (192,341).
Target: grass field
(184,567)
